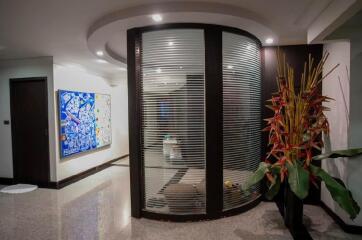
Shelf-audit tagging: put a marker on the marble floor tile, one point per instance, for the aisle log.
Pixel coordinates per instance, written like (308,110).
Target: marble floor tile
(98,207)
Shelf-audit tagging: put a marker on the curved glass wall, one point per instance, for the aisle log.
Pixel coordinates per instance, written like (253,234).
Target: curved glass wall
(241,117)
(173,124)
(195,120)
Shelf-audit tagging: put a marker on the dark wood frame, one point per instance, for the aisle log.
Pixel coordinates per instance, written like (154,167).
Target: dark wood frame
(31,79)
(213,112)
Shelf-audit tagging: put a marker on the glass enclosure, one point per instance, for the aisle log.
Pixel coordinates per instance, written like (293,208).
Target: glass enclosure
(241,117)
(195,120)
(173,124)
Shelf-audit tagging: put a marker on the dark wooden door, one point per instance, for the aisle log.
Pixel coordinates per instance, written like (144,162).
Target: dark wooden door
(29,128)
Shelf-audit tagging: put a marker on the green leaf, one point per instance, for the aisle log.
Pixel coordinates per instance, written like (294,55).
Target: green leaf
(340,153)
(298,179)
(257,176)
(273,189)
(339,193)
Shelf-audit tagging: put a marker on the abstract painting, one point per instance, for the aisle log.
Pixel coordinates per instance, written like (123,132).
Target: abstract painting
(85,121)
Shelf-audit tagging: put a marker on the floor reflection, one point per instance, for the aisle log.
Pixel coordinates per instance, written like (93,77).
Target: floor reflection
(98,207)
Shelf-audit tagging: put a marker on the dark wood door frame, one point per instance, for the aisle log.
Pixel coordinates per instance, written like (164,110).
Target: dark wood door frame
(46,112)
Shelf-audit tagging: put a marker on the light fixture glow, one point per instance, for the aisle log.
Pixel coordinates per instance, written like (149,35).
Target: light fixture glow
(170,43)
(229,67)
(158,70)
(269,41)
(101,61)
(157,17)
(100,53)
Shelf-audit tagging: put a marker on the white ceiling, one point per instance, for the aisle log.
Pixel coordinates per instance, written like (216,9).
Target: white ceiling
(71,30)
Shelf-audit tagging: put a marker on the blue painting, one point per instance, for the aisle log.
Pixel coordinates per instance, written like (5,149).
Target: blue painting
(84,121)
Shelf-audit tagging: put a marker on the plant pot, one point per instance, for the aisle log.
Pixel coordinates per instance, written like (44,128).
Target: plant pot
(293,210)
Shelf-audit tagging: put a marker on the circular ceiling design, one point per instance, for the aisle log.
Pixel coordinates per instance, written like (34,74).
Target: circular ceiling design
(109,34)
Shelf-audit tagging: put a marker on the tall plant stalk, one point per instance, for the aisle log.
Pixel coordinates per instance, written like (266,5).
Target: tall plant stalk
(295,132)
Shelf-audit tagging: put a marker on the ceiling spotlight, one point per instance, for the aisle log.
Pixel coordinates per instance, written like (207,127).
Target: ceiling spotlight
(101,61)
(157,17)
(100,53)
(269,41)
(158,70)
(170,43)
(229,67)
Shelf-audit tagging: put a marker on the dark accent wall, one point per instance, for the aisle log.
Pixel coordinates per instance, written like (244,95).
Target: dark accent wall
(296,55)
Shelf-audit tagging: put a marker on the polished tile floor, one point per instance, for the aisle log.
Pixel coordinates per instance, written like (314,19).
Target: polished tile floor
(98,207)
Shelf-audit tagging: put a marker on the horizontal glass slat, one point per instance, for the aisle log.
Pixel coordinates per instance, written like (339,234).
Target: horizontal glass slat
(241,117)
(173,121)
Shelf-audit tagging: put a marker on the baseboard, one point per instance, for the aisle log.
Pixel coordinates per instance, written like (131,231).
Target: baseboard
(346,227)
(69,180)
(11,181)
(6,181)
(75,178)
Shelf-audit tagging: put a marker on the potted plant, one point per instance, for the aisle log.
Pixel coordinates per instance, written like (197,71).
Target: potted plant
(295,132)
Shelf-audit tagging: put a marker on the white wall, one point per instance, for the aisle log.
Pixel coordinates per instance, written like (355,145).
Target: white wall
(355,136)
(69,78)
(337,86)
(76,79)
(23,68)
(349,56)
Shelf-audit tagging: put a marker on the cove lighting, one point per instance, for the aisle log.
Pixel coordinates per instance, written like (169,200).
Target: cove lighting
(100,53)
(157,17)
(269,40)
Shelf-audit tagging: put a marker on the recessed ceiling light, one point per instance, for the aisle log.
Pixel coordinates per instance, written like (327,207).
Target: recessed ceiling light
(159,70)
(157,17)
(269,41)
(229,67)
(100,53)
(101,61)
(170,43)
